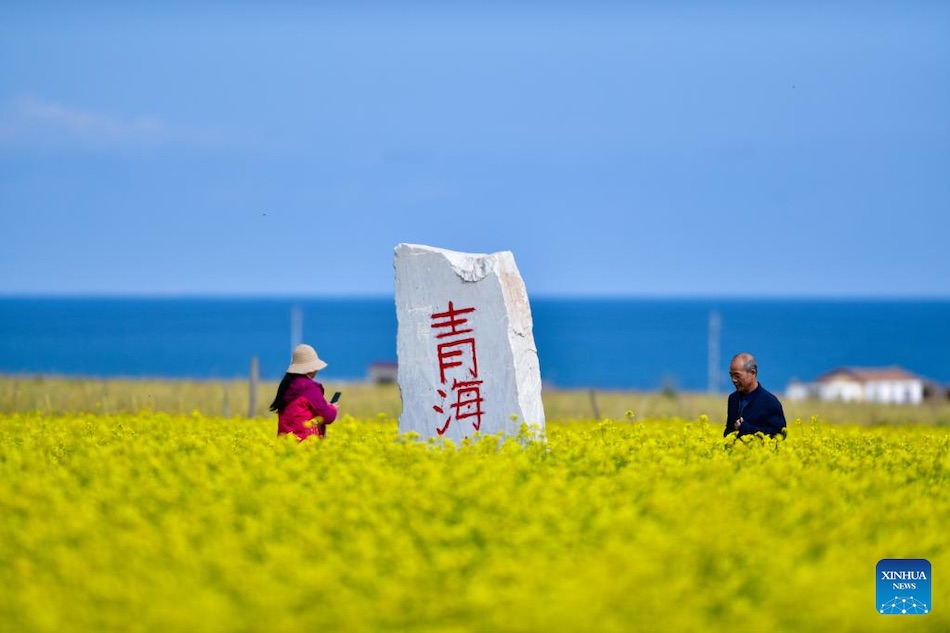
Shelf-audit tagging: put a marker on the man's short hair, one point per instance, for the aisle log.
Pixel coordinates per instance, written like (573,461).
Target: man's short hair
(748,362)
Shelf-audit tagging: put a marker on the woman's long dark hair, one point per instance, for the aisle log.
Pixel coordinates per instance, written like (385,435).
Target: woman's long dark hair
(278,404)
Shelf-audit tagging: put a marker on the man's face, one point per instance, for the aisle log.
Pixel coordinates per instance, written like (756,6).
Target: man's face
(742,380)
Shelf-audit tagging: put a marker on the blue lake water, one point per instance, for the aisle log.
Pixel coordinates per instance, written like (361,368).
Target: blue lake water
(611,343)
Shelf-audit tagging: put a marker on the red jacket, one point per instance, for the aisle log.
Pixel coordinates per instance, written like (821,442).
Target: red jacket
(306,411)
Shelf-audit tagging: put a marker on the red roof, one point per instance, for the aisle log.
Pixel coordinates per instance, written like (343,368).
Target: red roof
(868,374)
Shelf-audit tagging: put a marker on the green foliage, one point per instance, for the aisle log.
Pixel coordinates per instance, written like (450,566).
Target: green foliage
(184,522)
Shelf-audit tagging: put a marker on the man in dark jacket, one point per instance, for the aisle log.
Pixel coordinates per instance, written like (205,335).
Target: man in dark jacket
(752,409)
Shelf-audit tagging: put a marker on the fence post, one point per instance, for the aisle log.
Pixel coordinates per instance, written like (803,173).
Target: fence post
(252,406)
(593,405)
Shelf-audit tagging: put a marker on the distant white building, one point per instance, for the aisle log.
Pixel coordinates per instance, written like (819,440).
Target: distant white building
(888,385)
(382,372)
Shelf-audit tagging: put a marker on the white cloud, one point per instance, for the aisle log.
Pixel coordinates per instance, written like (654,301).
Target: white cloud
(30,121)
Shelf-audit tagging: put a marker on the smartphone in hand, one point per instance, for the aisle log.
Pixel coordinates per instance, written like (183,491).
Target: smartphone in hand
(335,397)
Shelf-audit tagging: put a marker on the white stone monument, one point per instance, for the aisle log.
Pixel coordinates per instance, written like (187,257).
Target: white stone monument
(467,361)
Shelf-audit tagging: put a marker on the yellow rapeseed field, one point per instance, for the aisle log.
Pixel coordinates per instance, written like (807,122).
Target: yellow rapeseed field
(187,522)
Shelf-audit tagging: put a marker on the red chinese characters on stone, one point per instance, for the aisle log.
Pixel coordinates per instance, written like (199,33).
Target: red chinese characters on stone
(458,368)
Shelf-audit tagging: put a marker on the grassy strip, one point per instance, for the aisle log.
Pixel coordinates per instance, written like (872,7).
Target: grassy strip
(228,399)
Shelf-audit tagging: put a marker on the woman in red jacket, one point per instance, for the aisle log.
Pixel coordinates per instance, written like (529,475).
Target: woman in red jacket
(301,407)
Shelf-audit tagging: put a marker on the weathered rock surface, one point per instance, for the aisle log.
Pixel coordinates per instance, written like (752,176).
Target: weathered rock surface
(467,361)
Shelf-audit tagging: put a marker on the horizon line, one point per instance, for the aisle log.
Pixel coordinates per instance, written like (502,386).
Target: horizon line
(283,296)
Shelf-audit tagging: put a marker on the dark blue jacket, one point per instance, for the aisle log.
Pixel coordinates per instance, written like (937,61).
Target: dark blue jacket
(761,412)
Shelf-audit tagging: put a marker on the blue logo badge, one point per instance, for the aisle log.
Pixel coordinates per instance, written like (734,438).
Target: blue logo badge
(903,586)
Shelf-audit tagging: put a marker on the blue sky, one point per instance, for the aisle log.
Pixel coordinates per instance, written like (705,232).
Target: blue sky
(632,149)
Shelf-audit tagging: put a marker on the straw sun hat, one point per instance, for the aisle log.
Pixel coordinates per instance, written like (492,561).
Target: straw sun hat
(305,360)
